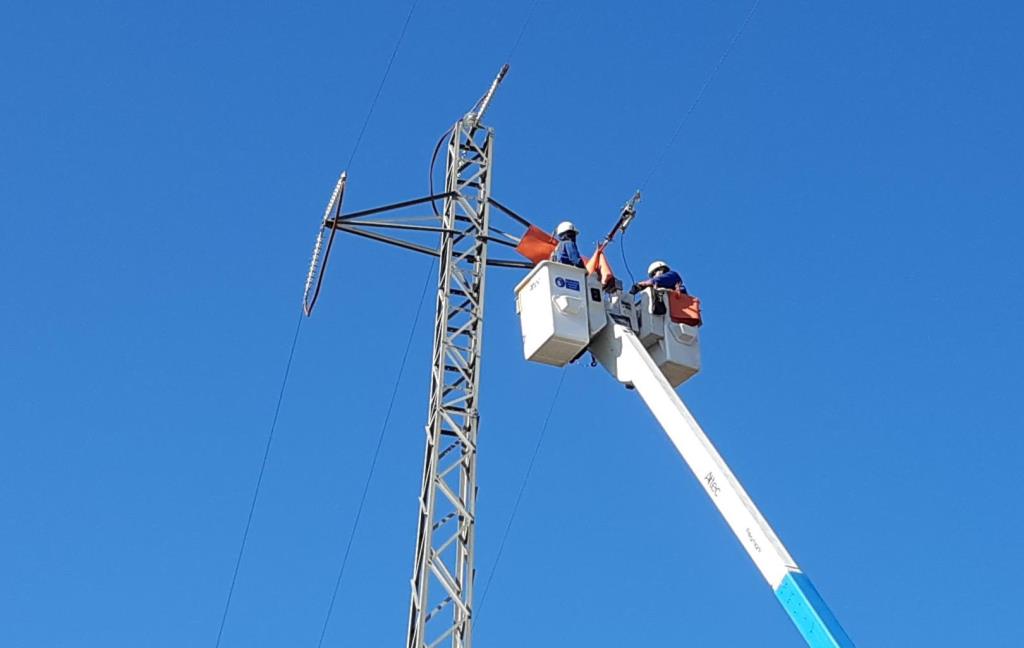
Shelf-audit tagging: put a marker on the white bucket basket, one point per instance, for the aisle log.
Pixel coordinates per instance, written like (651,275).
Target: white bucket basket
(677,353)
(553,313)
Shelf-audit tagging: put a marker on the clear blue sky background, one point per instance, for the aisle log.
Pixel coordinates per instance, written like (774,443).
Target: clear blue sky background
(846,199)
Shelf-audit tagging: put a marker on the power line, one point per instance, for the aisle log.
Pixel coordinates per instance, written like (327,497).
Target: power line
(519,495)
(259,479)
(522,30)
(383,80)
(700,94)
(291,352)
(440,140)
(622,249)
(376,454)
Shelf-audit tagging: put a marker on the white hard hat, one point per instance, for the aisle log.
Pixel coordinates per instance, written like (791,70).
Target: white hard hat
(655,266)
(565,226)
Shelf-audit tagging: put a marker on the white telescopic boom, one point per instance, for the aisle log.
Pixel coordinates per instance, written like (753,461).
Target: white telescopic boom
(622,354)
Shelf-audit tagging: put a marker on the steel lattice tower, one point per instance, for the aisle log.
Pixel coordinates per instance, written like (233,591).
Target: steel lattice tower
(441,609)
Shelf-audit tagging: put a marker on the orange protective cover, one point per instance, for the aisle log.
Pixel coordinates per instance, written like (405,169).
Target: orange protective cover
(684,309)
(537,245)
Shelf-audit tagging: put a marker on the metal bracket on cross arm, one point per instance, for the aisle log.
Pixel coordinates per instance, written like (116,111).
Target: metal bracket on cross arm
(353,224)
(357,223)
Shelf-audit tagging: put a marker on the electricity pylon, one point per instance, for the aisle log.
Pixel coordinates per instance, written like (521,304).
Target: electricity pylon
(441,605)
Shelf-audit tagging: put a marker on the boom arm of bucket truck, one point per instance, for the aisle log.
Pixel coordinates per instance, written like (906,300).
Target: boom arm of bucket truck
(563,311)
(619,351)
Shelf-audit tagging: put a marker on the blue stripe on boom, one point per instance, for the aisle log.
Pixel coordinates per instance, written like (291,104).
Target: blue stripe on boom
(810,613)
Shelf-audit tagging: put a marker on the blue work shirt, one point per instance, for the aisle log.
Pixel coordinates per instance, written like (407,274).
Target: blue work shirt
(668,280)
(567,253)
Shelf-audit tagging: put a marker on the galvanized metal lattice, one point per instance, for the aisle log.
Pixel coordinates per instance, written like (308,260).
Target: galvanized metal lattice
(441,610)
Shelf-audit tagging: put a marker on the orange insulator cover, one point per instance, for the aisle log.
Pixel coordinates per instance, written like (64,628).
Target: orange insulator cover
(684,309)
(537,245)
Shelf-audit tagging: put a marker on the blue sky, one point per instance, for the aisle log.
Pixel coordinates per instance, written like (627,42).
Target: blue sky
(846,199)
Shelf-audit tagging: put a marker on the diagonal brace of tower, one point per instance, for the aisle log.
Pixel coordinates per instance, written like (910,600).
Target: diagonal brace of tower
(441,609)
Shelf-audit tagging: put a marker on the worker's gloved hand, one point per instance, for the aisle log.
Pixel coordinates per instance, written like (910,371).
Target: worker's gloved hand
(635,289)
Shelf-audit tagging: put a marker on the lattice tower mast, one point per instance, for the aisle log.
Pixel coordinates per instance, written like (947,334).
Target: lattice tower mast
(441,607)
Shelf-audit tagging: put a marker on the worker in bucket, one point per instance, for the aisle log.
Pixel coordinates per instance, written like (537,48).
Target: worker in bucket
(566,252)
(661,276)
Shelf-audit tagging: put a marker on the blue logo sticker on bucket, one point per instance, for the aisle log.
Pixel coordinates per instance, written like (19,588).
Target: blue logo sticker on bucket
(570,284)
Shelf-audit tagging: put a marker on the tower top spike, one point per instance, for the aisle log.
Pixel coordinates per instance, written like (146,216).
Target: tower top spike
(477,113)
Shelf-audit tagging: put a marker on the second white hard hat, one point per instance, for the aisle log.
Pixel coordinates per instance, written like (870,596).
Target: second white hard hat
(565,226)
(655,266)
